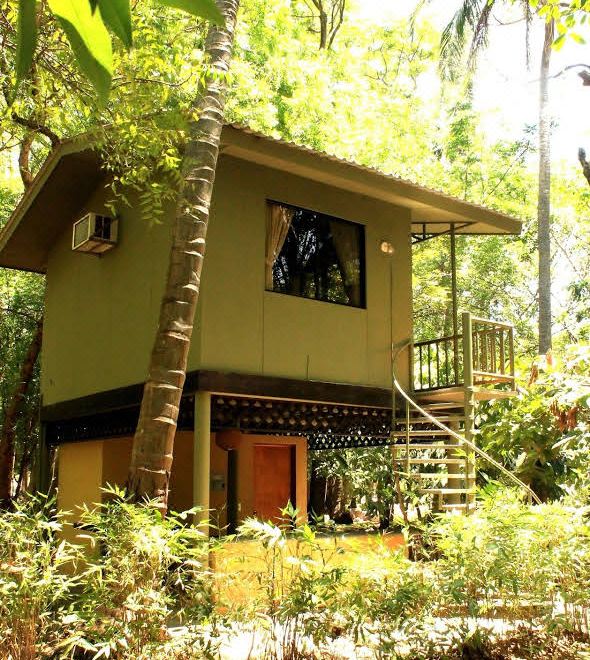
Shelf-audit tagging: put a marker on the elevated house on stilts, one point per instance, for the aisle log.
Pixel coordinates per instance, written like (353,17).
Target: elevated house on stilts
(303,337)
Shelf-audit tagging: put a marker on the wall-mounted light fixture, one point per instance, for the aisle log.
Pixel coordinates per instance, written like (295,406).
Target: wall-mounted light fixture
(387,248)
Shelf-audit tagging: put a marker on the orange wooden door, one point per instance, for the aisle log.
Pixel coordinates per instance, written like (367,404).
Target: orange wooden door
(273,480)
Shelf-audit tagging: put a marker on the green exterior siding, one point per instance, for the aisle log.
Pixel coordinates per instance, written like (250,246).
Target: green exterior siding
(101,312)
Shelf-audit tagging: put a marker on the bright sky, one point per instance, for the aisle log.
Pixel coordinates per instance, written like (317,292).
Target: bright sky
(506,92)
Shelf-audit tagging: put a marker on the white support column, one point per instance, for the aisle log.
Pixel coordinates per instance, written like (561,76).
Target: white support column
(202,453)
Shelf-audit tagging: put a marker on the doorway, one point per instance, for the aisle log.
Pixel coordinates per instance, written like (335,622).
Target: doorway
(274,480)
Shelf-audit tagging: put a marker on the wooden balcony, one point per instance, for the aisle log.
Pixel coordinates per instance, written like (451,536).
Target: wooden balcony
(485,346)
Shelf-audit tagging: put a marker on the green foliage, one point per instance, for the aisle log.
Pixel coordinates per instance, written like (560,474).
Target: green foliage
(86,25)
(145,570)
(36,588)
(543,433)
(137,576)
(115,596)
(508,558)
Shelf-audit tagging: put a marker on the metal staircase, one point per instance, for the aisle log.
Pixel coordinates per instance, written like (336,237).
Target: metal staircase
(433,442)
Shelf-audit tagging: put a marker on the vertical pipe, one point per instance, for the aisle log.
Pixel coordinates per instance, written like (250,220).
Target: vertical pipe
(511,352)
(202,454)
(454,303)
(407,439)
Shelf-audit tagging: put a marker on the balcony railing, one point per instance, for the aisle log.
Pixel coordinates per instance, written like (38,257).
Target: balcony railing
(439,363)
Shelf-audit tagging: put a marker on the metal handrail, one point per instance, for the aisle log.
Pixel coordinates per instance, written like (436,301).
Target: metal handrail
(453,434)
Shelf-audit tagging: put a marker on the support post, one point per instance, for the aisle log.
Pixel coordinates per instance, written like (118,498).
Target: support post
(469,397)
(454,469)
(42,463)
(202,454)
(455,303)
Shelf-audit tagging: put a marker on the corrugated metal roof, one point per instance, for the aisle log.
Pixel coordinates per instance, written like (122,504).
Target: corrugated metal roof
(324,155)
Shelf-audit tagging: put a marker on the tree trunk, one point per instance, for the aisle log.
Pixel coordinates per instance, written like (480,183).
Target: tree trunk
(323,29)
(544,199)
(8,434)
(584,163)
(151,460)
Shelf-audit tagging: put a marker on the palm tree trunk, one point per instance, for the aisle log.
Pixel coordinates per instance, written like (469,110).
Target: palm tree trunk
(17,400)
(544,199)
(151,460)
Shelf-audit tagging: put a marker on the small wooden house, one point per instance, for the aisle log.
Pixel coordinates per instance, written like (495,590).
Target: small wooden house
(306,287)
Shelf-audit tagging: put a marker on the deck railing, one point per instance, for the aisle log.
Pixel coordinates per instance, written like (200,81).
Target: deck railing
(439,363)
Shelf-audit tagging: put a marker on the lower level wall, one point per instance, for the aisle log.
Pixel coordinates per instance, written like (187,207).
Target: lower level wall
(84,468)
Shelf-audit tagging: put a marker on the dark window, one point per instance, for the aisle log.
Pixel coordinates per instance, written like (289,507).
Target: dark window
(313,255)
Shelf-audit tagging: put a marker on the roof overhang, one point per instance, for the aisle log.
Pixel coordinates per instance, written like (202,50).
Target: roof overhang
(72,173)
(433,212)
(60,190)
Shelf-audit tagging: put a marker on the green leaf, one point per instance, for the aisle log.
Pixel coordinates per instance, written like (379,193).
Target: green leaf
(206,9)
(558,43)
(117,16)
(27,38)
(89,39)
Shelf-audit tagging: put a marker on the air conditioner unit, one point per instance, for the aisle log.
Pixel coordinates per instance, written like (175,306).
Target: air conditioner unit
(94,233)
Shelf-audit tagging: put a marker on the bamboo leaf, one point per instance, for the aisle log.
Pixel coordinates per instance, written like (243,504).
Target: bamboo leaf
(206,9)
(26,39)
(117,16)
(89,40)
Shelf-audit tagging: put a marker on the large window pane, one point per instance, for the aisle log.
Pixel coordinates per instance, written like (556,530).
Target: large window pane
(313,255)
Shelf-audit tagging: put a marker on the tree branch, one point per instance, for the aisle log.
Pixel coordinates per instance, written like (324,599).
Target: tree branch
(33,125)
(24,156)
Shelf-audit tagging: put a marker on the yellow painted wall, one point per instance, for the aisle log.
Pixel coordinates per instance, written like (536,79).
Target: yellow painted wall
(79,479)
(244,444)
(101,311)
(85,467)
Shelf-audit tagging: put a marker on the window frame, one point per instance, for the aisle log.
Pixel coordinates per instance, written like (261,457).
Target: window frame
(362,255)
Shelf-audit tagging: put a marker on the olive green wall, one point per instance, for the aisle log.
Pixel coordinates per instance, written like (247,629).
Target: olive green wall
(101,311)
(247,329)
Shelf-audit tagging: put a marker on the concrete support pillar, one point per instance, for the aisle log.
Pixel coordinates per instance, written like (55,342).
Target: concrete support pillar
(202,453)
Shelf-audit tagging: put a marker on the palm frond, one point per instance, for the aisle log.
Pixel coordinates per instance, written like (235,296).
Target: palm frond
(471,19)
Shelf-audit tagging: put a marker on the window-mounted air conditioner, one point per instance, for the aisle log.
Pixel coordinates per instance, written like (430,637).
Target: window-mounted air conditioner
(94,233)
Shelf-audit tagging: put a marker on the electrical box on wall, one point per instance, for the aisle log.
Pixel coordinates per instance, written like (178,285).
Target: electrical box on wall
(95,233)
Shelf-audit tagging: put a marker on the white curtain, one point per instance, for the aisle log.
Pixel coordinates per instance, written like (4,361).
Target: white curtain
(346,243)
(278,222)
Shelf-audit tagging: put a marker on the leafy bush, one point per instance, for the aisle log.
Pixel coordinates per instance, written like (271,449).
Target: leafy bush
(147,571)
(142,574)
(515,561)
(36,587)
(543,434)
(142,587)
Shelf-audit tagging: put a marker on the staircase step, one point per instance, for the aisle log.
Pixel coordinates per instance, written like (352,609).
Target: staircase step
(437,461)
(455,395)
(442,475)
(490,395)
(425,446)
(424,420)
(445,405)
(420,433)
(447,491)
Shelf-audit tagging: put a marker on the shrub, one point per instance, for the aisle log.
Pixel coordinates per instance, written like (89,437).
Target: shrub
(36,580)
(543,434)
(148,571)
(514,561)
